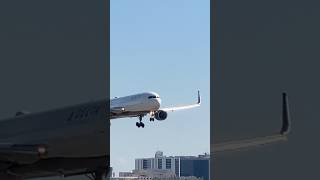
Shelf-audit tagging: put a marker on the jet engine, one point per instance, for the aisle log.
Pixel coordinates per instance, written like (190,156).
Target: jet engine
(161,115)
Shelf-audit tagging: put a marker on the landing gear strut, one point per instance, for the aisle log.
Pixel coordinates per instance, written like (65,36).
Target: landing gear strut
(140,124)
(152,116)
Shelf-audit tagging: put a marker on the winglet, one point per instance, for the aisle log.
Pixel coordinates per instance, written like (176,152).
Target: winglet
(199,98)
(285,129)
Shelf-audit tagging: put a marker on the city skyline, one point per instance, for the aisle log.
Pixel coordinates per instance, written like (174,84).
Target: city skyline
(172,165)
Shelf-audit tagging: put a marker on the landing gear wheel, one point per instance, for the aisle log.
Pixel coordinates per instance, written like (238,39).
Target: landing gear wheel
(138,124)
(96,175)
(151,119)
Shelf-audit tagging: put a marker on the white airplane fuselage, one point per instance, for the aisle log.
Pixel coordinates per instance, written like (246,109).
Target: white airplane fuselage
(143,102)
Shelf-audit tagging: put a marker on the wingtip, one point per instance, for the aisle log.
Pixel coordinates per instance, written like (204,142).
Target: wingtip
(285,129)
(199,97)
(284,94)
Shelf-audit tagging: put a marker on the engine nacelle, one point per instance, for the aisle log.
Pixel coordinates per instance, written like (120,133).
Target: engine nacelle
(161,115)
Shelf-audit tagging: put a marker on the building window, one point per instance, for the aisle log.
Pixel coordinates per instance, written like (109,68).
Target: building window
(146,164)
(177,167)
(168,163)
(159,163)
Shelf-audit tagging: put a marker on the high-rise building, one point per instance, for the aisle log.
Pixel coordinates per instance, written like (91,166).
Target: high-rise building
(195,166)
(182,166)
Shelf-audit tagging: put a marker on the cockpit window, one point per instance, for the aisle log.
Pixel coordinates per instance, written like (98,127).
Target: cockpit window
(153,97)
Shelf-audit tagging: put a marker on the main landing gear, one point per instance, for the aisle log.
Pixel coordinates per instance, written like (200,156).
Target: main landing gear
(97,175)
(140,124)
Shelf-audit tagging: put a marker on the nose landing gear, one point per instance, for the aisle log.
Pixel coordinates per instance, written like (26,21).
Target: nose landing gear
(152,116)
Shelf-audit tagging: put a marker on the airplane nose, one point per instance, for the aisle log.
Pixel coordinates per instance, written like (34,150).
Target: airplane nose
(158,103)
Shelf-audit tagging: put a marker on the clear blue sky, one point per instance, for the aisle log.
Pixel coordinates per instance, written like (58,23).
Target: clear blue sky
(161,46)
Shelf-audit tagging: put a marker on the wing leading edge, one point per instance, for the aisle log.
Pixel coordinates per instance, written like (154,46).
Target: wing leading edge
(259,141)
(171,109)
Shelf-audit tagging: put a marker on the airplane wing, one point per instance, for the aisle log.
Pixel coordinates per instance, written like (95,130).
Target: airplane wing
(21,153)
(117,110)
(171,109)
(259,141)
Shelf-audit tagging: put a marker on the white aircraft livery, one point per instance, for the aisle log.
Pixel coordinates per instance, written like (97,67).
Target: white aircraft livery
(139,105)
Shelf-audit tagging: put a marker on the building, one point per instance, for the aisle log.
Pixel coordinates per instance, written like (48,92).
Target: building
(152,174)
(158,162)
(181,166)
(126,174)
(195,166)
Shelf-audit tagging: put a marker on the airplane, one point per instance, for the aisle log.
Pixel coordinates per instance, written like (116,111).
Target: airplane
(73,140)
(64,142)
(139,105)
